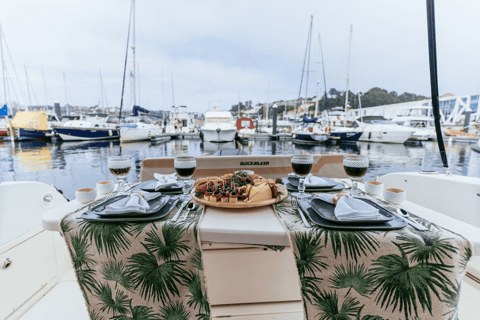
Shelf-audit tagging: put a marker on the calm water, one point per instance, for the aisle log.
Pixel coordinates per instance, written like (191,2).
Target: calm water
(73,165)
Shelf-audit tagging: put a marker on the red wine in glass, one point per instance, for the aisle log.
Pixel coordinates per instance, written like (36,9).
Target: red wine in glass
(302,169)
(185,172)
(355,172)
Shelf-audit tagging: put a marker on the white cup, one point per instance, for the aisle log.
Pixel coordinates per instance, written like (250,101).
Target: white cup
(374,187)
(86,195)
(105,187)
(395,196)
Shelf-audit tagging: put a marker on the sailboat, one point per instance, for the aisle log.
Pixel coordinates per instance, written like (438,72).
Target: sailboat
(310,131)
(137,128)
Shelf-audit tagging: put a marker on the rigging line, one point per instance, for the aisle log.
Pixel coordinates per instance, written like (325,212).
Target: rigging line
(45,88)
(125,65)
(173,92)
(303,70)
(13,87)
(28,86)
(13,66)
(432,50)
(324,79)
(34,95)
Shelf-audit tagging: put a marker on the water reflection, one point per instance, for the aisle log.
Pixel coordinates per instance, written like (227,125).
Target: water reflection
(74,165)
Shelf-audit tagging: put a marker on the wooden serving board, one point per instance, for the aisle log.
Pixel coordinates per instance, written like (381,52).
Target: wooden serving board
(251,204)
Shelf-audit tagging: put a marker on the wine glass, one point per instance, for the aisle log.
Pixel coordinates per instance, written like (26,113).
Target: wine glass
(119,167)
(185,167)
(355,168)
(301,165)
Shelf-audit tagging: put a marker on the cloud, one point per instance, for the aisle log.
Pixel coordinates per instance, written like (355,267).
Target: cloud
(226,49)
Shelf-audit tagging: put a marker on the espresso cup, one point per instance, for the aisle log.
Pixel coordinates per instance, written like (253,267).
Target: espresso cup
(105,187)
(395,196)
(86,195)
(374,187)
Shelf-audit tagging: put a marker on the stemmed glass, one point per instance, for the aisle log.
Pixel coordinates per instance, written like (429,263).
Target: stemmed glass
(355,168)
(185,167)
(119,167)
(301,165)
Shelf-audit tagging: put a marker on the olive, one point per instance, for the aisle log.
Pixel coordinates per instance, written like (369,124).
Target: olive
(209,189)
(233,193)
(224,193)
(216,191)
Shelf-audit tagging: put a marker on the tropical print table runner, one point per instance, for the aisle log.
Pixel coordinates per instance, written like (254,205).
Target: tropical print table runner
(154,270)
(139,271)
(375,275)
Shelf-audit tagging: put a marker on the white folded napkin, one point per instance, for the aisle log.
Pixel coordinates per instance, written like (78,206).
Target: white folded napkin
(134,202)
(165,180)
(349,209)
(312,181)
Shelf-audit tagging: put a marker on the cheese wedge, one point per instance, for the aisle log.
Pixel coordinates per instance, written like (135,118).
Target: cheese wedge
(264,193)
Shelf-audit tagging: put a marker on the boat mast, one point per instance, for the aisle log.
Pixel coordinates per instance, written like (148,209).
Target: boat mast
(133,49)
(318,81)
(309,37)
(323,67)
(348,75)
(163,96)
(45,89)
(125,66)
(65,87)
(28,86)
(3,66)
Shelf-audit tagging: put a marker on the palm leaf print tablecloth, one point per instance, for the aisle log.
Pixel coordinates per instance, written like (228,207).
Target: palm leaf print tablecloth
(147,271)
(154,270)
(373,275)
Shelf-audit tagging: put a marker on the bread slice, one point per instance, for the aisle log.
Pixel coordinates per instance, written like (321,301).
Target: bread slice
(264,193)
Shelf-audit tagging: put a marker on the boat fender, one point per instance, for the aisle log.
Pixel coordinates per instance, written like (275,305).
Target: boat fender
(218,129)
(33,123)
(328,129)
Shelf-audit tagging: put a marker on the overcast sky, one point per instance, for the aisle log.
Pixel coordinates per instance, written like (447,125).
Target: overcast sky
(231,50)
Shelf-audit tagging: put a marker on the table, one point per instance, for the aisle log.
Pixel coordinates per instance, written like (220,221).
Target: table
(155,269)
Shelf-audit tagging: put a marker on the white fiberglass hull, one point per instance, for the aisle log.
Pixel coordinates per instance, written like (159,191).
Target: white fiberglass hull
(222,135)
(385,136)
(128,134)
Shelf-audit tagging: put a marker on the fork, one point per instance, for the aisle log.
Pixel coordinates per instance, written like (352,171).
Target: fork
(294,203)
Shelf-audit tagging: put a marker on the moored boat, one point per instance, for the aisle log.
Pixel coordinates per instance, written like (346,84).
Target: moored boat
(138,129)
(92,128)
(379,129)
(310,131)
(218,126)
(30,125)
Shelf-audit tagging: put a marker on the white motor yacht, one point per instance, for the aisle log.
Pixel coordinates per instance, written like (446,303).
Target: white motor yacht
(379,129)
(219,126)
(423,125)
(181,122)
(92,128)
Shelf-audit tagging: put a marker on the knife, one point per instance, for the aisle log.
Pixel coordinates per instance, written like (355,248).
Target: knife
(177,214)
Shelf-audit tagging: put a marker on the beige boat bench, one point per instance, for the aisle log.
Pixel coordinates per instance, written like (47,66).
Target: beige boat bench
(247,281)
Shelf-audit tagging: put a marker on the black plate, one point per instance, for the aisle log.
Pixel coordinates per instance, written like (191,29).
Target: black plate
(294,181)
(396,223)
(326,211)
(149,186)
(163,212)
(290,187)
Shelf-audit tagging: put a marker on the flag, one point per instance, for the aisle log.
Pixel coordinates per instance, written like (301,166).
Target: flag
(4,111)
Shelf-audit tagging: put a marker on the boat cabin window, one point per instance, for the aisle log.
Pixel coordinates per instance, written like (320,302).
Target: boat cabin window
(353,125)
(217,120)
(96,126)
(185,123)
